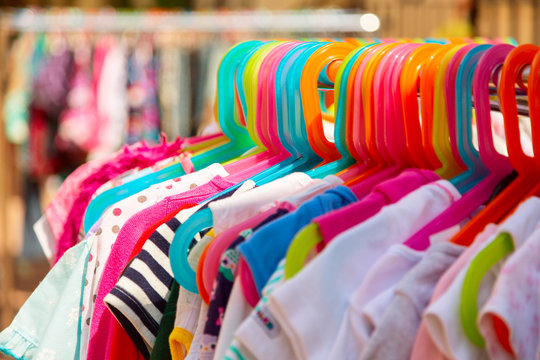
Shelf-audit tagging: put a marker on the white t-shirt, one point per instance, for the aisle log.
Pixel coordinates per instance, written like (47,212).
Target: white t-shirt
(311,306)
(368,302)
(443,317)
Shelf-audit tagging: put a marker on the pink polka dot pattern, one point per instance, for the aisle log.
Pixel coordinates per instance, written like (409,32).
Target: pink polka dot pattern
(117,212)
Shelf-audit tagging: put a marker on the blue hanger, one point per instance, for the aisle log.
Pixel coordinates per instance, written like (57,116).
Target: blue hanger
(239,140)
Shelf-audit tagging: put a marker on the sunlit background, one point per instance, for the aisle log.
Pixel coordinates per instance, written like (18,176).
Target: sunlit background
(163,56)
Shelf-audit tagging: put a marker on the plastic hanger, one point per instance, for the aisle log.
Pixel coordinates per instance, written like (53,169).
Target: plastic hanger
(475,167)
(299,124)
(452,164)
(384,169)
(340,127)
(432,113)
(266,141)
(238,136)
(420,152)
(355,130)
(294,131)
(498,164)
(503,244)
(527,168)
(310,235)
(364,135)
(203,219)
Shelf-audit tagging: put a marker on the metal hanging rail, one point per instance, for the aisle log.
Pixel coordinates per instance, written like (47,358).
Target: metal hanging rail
(301,21)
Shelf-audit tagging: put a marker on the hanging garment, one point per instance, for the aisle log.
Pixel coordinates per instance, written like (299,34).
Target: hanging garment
(152,256)
(403,314)
(391,225)
(514,302)
(443,316)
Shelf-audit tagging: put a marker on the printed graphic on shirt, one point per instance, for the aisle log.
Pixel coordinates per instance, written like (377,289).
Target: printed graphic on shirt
(228,263)
(207,347)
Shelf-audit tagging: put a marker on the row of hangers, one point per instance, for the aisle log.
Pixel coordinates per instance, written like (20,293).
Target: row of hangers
(269,105)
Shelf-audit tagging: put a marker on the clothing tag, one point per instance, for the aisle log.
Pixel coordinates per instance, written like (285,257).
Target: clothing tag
(444,235)
(264,318)
(44,233)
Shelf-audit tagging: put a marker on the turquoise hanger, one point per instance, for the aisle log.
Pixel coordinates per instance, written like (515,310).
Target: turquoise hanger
(238,144)
(476,170)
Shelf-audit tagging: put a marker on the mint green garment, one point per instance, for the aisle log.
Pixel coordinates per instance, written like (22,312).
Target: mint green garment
(48,324)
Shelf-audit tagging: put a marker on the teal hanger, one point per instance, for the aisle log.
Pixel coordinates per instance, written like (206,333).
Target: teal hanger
(238,144)
(340,120)
(476,170)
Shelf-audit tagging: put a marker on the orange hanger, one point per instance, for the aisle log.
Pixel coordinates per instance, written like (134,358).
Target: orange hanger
(330,55)
(420,151)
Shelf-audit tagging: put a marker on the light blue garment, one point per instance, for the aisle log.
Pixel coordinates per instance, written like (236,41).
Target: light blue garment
(48,325)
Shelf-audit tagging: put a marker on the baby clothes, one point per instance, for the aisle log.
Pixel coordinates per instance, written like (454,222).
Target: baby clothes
(387,192)
(256,337)
(395,333)
(188,308)
(269,245)
(301,305)
(424,347)
(71,217)
(514,303)
(115,218)
(221,292)
(48,324)
(443,317)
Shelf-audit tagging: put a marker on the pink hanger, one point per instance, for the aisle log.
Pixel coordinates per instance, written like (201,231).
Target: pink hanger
(356,130)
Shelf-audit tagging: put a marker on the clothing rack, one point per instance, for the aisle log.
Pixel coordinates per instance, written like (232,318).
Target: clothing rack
(314,21)
(220,24)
